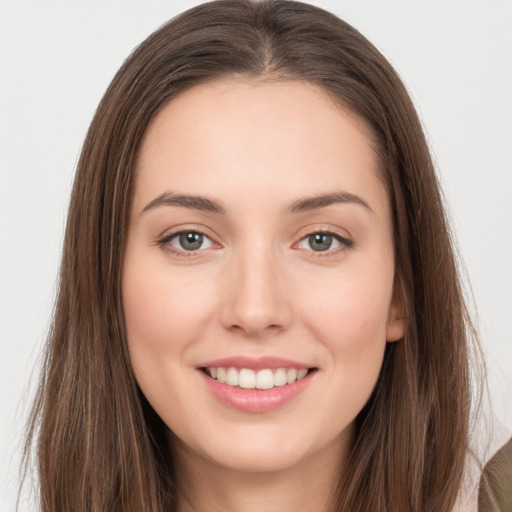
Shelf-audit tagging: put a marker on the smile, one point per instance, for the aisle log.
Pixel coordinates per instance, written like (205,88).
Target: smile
(256,385)
(246,378)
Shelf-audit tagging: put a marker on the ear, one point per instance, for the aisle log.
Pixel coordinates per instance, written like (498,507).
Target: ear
(395,326)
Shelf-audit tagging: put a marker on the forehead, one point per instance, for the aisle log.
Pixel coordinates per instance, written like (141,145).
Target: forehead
(272,136)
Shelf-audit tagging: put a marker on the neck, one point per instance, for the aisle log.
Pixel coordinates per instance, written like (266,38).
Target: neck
(308,486)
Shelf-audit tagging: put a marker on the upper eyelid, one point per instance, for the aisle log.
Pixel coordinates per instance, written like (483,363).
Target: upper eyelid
(174,234)
(171,233)
(342,239)
(334,234)
(339,232)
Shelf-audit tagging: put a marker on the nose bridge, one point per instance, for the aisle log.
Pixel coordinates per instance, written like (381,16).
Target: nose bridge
(256,294)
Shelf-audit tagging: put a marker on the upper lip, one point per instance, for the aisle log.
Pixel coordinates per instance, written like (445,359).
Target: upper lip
(254,363)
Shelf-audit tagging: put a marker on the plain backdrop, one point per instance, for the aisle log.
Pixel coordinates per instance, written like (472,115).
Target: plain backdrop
(56,60)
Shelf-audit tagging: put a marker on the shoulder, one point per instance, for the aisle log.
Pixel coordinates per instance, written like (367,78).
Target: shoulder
(496,481)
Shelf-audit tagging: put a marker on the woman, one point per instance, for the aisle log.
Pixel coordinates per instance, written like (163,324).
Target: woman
(259,306)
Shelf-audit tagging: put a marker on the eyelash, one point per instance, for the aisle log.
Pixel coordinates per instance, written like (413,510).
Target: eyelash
(164,242)
(345,243)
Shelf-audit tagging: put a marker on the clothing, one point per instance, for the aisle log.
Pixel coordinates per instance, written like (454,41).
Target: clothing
(495,492)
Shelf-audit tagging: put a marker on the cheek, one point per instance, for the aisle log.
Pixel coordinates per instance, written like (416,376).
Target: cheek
(349,317)
(161,310)
(350,321)
(352,311)
(164,316)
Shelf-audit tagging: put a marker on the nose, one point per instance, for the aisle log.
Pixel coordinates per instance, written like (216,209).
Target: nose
(256,295)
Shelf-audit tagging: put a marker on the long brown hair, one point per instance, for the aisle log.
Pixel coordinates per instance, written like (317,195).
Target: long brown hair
(100,446)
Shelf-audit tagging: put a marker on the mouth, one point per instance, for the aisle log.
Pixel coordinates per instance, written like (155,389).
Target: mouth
(262,379)
(256,385)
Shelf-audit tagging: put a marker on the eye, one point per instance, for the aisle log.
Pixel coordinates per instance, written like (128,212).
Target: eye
(186,242)
(324,242)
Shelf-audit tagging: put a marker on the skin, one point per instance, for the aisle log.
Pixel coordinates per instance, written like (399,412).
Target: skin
(257,287)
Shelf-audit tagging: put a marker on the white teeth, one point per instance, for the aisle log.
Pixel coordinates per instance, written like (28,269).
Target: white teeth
(291,375)
(262,379)
(265,379)
(247,379)
(232,377)
(301,373)
(280,377)
(221,375)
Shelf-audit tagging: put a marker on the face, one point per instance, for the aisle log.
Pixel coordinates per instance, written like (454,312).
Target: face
(259,273)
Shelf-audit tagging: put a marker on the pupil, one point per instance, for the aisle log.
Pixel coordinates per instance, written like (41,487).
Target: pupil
(191,241)
(320,241)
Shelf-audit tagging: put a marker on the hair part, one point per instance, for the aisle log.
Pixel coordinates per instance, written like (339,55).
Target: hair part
(100,445)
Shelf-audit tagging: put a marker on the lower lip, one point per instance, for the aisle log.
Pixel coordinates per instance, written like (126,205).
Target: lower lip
(256,400)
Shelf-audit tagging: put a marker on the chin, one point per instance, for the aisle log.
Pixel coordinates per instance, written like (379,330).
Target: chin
(257,459)
(261,448)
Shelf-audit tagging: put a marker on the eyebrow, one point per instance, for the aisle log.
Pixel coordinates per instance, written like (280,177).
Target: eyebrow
(200,203)
(205,204)
(323,200)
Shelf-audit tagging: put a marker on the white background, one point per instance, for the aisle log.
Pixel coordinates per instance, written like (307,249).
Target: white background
(57,58)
